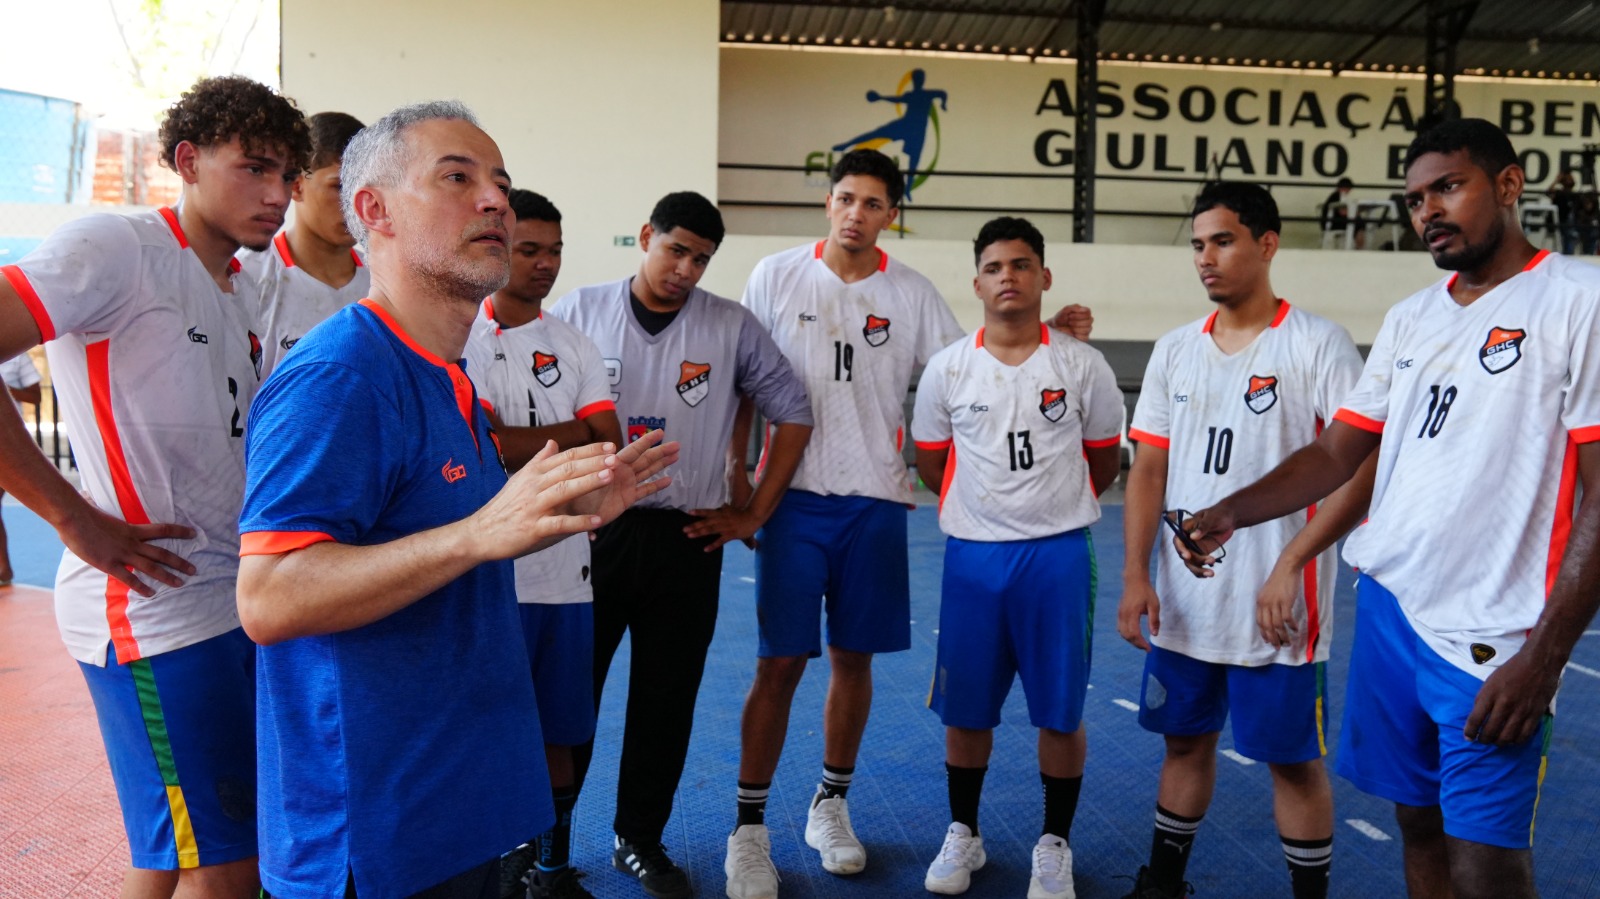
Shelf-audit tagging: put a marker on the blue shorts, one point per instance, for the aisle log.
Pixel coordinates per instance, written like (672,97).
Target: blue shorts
(1404,712)
(1277,709)
(180,734)
(843,553)
(560,638)
(1021,607)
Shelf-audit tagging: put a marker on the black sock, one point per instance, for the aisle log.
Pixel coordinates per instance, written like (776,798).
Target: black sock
(555,844)
(1060,804)
(966,785)
(1169,850)
(835,781)
(753,802)
(1309,861)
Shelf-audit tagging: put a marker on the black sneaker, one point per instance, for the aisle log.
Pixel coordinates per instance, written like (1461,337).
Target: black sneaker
(562,884)
(1144,887)
(657,874)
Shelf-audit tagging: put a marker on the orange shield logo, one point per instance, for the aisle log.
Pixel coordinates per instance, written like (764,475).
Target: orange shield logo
(546,368)
(694,381)
(1263,393)
(1502,349)
(1053,403)
(877,331)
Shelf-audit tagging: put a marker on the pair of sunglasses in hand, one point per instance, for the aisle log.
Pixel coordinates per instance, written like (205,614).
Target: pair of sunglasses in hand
(1174,519)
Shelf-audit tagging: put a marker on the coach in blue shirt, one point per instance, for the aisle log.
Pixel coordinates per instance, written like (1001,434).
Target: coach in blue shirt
(397,731)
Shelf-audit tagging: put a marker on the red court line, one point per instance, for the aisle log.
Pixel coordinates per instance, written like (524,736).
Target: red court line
(60,830)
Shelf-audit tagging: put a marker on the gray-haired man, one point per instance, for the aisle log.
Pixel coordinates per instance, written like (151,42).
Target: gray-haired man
(398,733)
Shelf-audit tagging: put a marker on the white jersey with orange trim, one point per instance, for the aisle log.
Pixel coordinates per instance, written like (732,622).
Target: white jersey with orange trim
(1225,421)
(538,374)
(155,368)
(856,346)
(292,301)
(18,372)
(1017,469)
(1482,409)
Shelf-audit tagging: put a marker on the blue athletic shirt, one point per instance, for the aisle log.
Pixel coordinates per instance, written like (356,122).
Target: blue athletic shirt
(408,750)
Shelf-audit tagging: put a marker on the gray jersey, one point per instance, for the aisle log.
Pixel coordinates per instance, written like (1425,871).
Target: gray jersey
(687,379)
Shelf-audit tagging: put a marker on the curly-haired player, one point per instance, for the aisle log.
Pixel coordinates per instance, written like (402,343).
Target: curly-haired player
(152,349)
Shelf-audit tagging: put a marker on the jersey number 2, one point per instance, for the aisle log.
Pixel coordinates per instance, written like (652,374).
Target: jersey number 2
(233,391)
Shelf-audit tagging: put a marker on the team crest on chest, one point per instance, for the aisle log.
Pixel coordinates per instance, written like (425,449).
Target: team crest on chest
(1502,349)
(877,330)
(694,381)
(1053,403)
(1263,393)
(546,368)
(255,352)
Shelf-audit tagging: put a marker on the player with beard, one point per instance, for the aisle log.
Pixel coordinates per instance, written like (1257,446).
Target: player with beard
(400,740)
(1470,600)
(152,347)
(546,381)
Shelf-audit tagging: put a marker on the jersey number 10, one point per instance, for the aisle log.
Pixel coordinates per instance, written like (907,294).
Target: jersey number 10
(1219,450)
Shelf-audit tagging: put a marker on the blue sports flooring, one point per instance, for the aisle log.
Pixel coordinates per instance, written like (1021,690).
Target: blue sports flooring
(898,800)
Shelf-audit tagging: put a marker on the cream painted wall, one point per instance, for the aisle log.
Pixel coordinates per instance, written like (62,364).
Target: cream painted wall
(1137,292)
(603,106)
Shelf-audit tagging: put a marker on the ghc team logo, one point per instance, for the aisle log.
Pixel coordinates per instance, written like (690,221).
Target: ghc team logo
(255,352)
(1053,403)
(1502,349)
(877,330)
(1263,393)
(546,368)
(694,381)
(640,425)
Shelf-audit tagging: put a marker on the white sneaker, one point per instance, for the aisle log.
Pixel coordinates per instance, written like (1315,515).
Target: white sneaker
(748,866)
(829,832)
(1052,870)
(961,854)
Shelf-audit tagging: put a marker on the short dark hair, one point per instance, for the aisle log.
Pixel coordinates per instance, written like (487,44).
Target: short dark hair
(1250,202)
(1344,183)
(872,164)
(1486,145)
(532,207)
(330,134)
(1007,228)
(216,110)
(690,211)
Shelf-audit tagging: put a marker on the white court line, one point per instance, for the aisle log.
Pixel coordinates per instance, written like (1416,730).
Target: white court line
(1130,706)
(748,580)
(1237,757)
(1581,669)
(1367,830)
(1591,633)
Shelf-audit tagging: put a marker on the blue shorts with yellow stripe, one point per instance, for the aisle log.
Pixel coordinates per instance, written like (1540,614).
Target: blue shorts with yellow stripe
(1009,610)
(1406,708)
(180,733)
(1277,710)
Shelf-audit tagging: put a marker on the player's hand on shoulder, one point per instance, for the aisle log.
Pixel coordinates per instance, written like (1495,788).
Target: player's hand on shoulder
(1275,606)
(1074,319)
(124,550)
(1512,703)
(1139,600)
(726,523)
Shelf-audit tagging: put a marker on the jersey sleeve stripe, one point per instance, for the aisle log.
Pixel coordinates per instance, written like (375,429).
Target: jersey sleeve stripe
(934,447)
(1283,313)
(1146,437)
(1102,444)
(1584,435)
(1357,420)
(276,543)
(487,406)
(949,476)
(30,299)
(596,407)
(1313,601)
